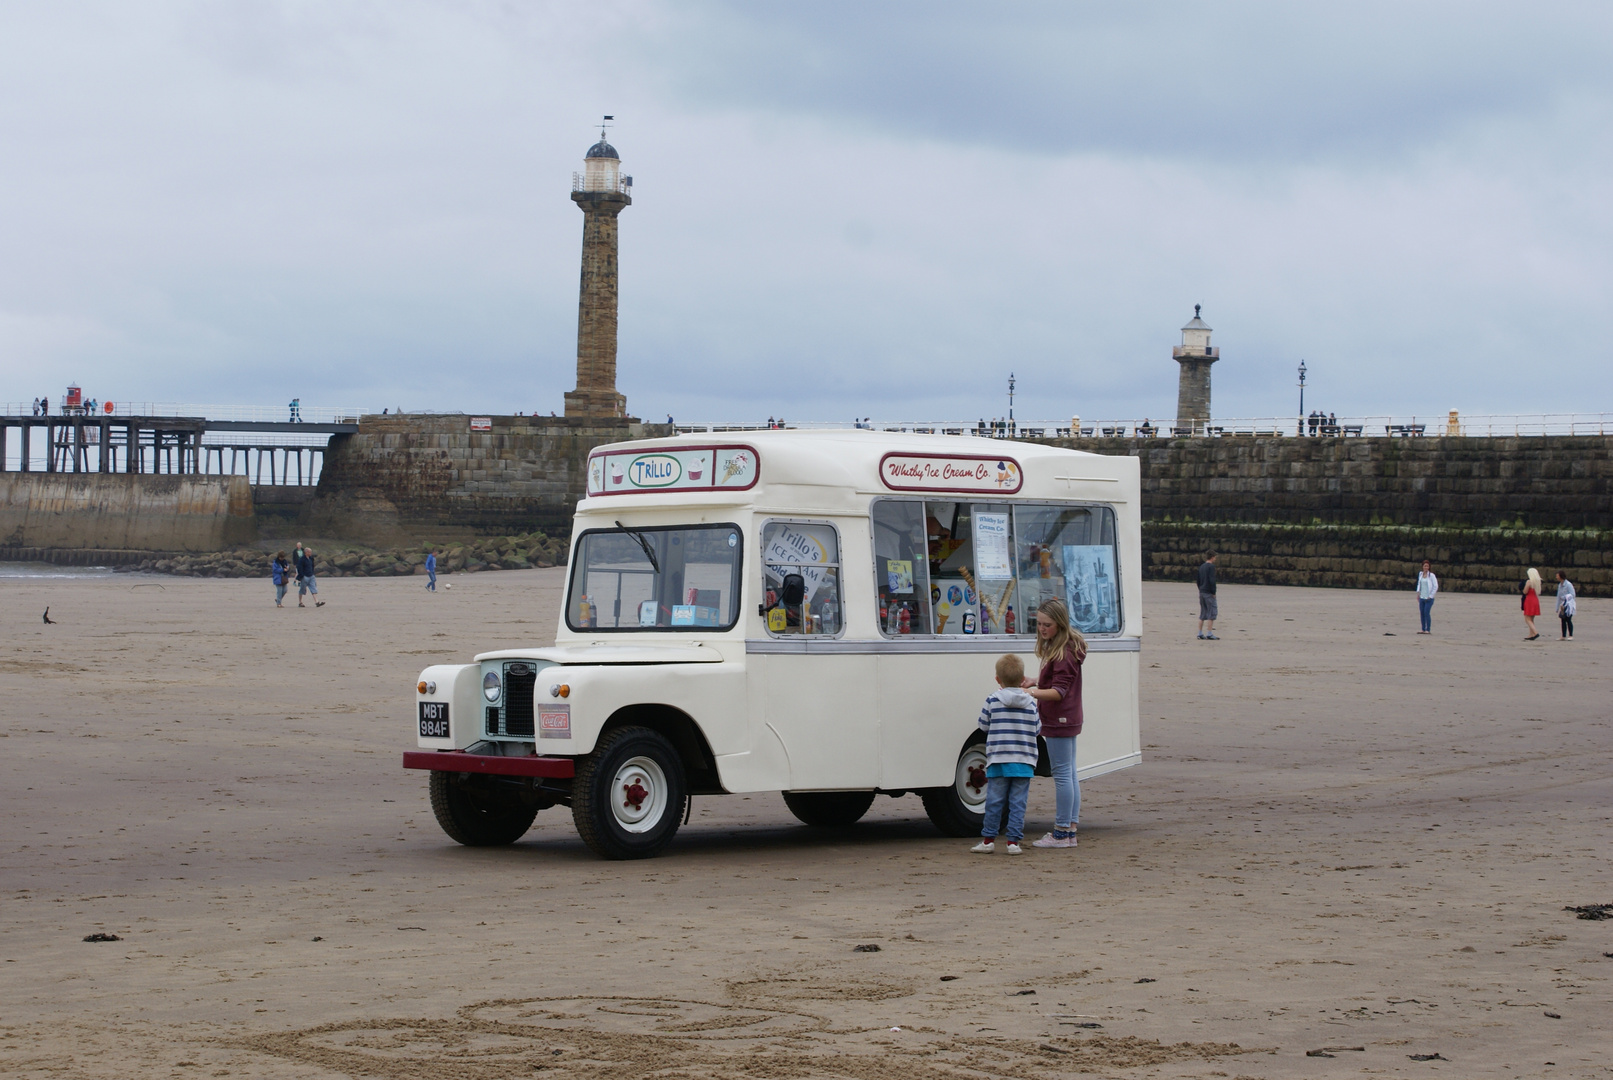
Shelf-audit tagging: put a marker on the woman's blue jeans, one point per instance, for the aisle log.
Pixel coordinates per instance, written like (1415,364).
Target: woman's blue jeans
(1066,787)
(1426,609)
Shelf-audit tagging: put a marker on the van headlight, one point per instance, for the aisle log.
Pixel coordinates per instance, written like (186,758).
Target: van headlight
(491,688)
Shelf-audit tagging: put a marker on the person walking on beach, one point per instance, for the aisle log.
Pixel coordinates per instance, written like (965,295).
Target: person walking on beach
(1566,605)
(1209,611)
(1427,589)
(1057,690)
(306,581)
(1009,720)
(277,573)
(1531,602)
(431,571)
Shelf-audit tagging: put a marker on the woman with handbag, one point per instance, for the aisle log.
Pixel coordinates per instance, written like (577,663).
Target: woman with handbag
(1531,602)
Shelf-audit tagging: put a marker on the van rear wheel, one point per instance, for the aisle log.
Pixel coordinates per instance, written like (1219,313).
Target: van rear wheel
(628,796)
(960,810)
(476,817)
(829,809)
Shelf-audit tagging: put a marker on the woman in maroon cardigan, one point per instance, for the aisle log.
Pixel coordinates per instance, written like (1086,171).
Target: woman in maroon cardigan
(1057,691)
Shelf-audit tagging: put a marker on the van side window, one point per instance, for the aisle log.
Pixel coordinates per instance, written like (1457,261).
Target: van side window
(1069,552)
(901,567)
(801,577)
(973,585)
(984,568)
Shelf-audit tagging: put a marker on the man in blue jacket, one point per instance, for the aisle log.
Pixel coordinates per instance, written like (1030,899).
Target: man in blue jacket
(1208,610)
(306,582)
(431,571)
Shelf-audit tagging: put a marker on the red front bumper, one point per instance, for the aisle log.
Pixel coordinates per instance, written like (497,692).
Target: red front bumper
(458,761)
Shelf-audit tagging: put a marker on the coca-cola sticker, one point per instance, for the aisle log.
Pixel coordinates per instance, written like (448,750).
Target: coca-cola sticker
(951,472)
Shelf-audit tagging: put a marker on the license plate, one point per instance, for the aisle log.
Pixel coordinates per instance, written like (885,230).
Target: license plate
(433,719)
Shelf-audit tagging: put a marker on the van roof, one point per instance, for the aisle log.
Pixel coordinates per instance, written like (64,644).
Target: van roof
(828,467)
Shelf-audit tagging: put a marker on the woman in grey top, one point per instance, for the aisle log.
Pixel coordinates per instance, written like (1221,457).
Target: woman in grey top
(1565,604)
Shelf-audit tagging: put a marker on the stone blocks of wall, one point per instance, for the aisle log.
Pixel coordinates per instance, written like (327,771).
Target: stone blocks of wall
(1378,557)
(410,473)
(119,511)
(1547,482)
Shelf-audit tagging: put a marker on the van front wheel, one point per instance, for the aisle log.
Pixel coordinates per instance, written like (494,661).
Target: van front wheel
(628,796)
(829,809)
(477,817)
(960,810)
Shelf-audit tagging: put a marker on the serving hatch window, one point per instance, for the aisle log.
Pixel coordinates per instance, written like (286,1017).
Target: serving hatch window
(662,578)
(801,577)
(984,568)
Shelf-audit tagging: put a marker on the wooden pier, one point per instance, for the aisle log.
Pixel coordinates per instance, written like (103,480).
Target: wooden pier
(157,445)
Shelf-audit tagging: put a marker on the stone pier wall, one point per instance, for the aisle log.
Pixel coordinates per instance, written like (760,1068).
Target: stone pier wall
(1550,482)
(1364,512)
(430,475)
(121,512)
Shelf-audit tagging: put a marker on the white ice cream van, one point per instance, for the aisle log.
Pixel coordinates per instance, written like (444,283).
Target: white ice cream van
(811,612)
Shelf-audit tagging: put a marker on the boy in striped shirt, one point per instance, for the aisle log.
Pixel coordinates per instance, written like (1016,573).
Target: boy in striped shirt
(1011,723)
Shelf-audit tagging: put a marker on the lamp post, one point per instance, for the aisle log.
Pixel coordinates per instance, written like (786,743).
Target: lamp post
(1301,397)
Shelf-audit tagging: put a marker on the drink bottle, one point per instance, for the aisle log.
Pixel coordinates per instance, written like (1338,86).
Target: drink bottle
(904,621)
(1009,621)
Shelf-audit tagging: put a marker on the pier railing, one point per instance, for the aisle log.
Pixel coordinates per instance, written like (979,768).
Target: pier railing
(255,414)
(1395,426)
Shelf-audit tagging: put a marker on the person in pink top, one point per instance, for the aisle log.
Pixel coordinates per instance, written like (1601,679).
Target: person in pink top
(1057,691)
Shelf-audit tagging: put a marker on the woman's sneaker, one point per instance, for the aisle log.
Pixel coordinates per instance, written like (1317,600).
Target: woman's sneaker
(1057,838)
(985,847)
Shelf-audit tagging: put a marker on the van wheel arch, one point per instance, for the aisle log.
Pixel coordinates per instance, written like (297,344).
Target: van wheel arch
(957,809)
(681,730)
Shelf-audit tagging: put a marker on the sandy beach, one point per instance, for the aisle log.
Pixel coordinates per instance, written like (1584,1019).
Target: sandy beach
(1344,837)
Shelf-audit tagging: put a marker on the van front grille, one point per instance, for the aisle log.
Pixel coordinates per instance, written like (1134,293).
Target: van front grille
(519,681)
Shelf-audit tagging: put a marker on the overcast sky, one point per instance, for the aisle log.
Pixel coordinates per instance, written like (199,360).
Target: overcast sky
(839,209)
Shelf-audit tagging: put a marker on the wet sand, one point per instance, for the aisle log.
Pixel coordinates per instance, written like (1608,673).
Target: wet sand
(1338,838)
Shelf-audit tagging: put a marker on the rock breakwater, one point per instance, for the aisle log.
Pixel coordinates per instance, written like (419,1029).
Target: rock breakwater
(523,551)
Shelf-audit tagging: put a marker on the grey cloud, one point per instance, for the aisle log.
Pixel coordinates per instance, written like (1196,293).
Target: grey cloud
(1244,81)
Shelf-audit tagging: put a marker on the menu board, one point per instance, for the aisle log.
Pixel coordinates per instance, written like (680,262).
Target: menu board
(1091,589)
(991,547)
(679,468)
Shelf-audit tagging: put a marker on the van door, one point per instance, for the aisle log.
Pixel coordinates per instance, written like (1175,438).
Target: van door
(820,704)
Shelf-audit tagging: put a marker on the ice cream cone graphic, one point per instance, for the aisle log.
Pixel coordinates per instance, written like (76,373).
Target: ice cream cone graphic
(733,465)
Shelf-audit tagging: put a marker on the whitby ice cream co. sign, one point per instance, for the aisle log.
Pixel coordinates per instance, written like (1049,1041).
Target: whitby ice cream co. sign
(950,472)
(683,468)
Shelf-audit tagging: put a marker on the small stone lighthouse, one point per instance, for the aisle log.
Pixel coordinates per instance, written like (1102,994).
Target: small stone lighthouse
(600,192)
(1193,387)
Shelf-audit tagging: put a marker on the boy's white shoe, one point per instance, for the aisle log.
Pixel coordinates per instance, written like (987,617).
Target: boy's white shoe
(1014,849)
(985,847)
